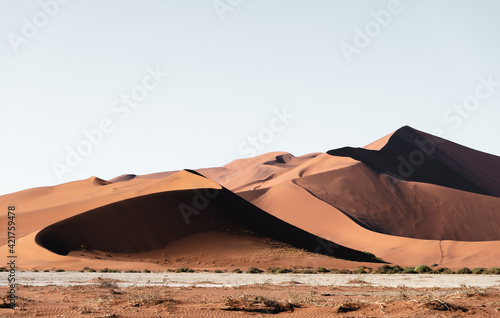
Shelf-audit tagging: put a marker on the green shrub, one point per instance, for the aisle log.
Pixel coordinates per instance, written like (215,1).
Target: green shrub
(464,270)
(237,271)
(396,269)
(46,270)
(494,271)
(253,270)
(422,269)
(103,270)
(59,270)
(447,271)
(343,271)
(434,265)
(409,270)
(384,269)
(218,271)
(278,270)
(321,270)
(307,271)
(184,270)
(35,270)
(146,271)
(283,271)
(132,271)
(478,270)
(360,270)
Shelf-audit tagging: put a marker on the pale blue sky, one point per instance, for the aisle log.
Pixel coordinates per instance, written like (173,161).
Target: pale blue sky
(228,77)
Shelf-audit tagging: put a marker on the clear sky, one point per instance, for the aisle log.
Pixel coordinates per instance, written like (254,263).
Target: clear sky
(104,88)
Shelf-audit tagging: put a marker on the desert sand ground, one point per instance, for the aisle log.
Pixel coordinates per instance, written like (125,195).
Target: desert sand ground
(71,294)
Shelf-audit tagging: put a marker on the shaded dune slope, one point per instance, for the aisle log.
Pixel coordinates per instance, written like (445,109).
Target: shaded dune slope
(391,206)
(413,155)
(153,221)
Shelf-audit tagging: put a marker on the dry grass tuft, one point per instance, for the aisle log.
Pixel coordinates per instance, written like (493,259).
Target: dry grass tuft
(261,304)
(439,305)
(348,307)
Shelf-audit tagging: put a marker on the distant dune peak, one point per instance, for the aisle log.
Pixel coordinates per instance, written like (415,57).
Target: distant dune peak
(413,155)
(122,178)
(98,181)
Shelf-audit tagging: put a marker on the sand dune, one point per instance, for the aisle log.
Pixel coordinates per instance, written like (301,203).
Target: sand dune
(409,198)
(416,156)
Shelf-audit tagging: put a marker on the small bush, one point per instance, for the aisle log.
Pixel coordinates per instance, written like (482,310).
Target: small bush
(343,271)
(434,265)
(277,270)
(283,271)
(146,271)
(103,270)
(409,270)
(184,270)
(360,270)
(494,271)
(396,269)
(35,270)
(464,270)
(253,270)
(478,270)
(447,271)
(3,269)
(132,271)
(59,270)
(438,270)
(321,270)
(237,271)
(218,271)
(384,269)
(422,269)
(46,270)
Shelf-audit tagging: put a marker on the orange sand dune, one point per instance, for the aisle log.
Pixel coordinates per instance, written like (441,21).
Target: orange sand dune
(154,221)
(409,198)
(388,205)
(330,223)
